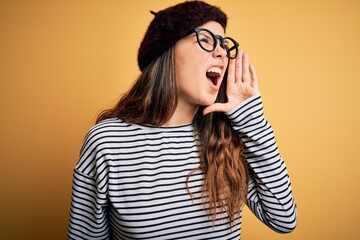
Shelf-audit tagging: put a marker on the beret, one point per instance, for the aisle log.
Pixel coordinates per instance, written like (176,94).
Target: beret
(172,24)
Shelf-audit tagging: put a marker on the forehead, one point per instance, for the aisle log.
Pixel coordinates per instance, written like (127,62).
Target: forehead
(214,27)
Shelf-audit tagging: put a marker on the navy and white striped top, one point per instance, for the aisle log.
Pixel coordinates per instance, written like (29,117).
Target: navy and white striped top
(130,182)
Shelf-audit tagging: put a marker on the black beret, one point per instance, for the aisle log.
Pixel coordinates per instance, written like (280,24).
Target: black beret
(172,24)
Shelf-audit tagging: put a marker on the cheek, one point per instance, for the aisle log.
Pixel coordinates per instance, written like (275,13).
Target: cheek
(190,61)
(187,67)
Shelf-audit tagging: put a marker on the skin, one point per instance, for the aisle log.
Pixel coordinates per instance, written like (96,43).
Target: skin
(196,90)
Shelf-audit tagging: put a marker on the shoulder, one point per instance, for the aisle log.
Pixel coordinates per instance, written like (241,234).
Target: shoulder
(108,129)
(100,139)
(108,125)
(105,132)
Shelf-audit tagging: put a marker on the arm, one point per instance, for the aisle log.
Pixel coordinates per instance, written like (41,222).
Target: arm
(269,194)
(88,214)
(269,189)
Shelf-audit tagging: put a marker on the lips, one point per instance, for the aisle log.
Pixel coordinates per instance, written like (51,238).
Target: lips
(214,74)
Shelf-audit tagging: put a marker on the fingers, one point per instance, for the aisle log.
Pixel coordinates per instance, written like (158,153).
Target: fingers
(245,69)
(239,66)
(216,107)
(212,108)
(231,71)
(254,82)
(241,84)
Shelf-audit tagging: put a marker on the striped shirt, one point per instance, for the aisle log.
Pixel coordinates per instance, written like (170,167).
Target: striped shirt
(129,182)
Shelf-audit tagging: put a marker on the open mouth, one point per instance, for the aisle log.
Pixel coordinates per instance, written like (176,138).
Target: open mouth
(213,74)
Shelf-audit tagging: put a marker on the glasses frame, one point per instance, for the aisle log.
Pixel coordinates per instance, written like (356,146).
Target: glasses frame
(216,37)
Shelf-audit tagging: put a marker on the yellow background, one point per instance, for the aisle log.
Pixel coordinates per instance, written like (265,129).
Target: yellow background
(61,62)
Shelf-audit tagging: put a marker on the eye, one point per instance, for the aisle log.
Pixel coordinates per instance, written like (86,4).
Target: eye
(207,39)
(226,45)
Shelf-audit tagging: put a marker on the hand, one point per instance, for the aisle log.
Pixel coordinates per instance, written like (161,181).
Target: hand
(241,84)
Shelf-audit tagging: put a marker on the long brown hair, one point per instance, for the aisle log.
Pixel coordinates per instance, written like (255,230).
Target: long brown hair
(222,161)
(153,100)
(153,97)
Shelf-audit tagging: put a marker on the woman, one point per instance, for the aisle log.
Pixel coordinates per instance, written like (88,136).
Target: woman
(186,147)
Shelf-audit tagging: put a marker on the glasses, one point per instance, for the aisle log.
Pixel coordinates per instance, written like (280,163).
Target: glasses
(208,41)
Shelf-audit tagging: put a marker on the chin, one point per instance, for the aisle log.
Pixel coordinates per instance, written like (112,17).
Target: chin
(208,102)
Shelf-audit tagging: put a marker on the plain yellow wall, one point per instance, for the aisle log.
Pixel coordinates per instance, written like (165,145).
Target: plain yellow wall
(61,62)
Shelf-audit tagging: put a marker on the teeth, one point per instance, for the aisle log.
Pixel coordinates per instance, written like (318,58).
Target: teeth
(215,70)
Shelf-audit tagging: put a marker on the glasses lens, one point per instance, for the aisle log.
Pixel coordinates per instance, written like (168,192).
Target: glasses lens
(231,47)
(206,40)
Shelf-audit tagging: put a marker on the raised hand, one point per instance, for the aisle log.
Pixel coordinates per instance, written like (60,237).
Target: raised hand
(241,84)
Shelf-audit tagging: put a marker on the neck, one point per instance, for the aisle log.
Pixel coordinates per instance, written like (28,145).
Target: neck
(184,114)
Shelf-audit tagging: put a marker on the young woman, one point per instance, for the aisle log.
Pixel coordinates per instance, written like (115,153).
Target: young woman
(187,146)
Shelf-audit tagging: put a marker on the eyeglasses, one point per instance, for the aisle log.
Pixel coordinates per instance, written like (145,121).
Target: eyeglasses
(208,41)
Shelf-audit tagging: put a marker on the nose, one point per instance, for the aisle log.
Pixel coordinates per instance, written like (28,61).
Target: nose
(219,52)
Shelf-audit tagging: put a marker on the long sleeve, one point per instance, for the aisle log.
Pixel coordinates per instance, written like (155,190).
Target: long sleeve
(270,195)
(88,214)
